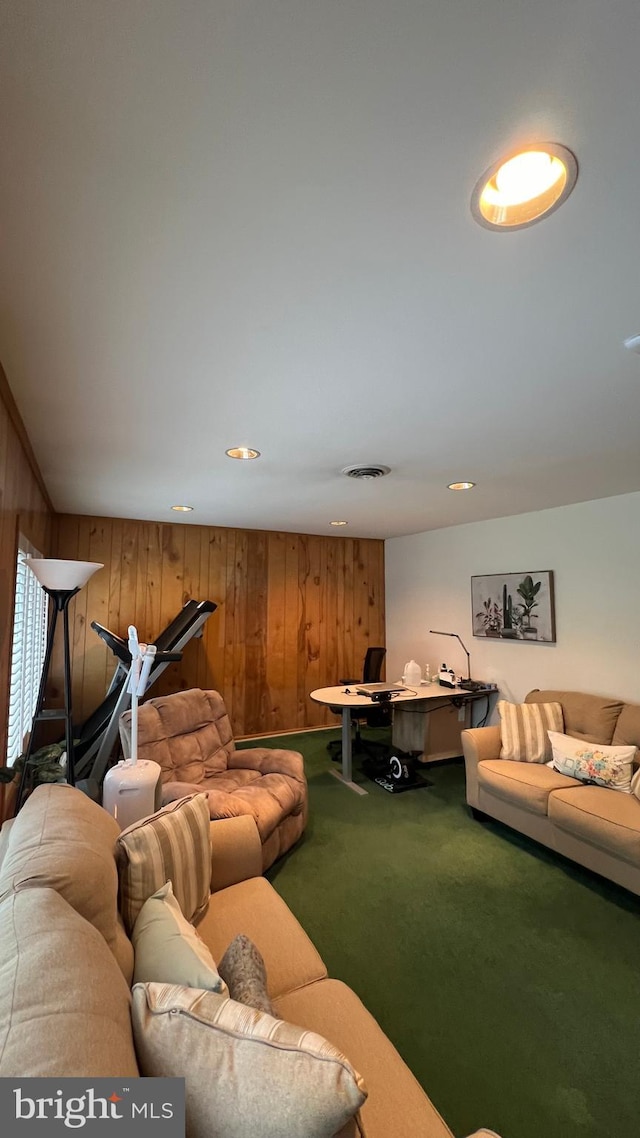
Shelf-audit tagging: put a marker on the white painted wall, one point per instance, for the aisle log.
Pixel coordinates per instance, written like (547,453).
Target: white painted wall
(593,549)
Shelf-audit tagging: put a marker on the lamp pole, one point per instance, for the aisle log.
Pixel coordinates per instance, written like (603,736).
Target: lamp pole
(436,633)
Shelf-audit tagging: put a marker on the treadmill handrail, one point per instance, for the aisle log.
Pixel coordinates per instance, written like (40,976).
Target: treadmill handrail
(115,643)
(189,613)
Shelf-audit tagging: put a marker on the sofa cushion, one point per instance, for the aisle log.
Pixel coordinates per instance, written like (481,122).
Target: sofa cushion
(64,1003)
(611,822)
(597,763)
(589,717)
(171,845)
(397,1104)
(524,730)
(254,908)
(527,785)
(271,1078)
(168,949)
(627,731)
(63,840)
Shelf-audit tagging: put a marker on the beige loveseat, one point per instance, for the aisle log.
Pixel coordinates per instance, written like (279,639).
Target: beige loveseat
(66,963)
(597,827)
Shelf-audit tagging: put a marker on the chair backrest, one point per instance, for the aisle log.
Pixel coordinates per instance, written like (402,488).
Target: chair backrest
(373,665)
(188,734)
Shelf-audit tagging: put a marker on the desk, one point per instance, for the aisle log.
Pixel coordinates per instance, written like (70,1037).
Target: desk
(337,697)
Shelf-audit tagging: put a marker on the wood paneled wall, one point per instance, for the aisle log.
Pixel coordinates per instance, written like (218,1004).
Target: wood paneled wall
(294,613)
(24,508)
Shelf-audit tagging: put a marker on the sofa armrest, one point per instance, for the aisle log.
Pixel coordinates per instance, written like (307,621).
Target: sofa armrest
(172,791)
(236,851)
(268,760)
(478,743)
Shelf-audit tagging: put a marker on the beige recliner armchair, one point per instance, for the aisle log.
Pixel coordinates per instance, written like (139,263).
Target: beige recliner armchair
(189,735)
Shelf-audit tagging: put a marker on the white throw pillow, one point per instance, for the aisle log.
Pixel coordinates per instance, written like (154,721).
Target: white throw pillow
(594,763)
(168,949)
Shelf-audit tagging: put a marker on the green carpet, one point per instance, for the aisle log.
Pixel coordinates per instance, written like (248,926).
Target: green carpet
(508,979)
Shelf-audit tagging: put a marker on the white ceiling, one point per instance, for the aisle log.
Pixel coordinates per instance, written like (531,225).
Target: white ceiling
(230,222)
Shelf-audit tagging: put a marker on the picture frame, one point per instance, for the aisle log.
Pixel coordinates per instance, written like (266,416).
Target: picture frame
(514,606)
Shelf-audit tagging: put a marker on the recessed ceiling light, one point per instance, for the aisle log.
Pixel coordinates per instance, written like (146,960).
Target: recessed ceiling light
(182,509)
(524,187)
(461,486)
(242,452)
(338,523)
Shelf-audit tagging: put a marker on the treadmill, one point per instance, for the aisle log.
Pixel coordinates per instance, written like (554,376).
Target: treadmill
(93,746)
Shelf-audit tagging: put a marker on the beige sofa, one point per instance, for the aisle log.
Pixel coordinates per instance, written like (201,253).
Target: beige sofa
(596,827)
(66,963)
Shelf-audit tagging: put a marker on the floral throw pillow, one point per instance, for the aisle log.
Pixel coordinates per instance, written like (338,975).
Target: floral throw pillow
(594,763)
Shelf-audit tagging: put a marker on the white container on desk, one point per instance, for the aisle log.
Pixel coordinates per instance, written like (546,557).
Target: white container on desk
(412,675)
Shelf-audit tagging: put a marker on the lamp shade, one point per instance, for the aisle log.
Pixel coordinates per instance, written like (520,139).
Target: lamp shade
(62,575)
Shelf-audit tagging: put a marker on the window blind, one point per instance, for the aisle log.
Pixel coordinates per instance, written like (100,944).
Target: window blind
(27,656)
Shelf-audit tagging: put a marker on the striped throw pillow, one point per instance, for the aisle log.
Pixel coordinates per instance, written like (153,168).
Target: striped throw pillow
(246,1072)
(171,845)
(524,727)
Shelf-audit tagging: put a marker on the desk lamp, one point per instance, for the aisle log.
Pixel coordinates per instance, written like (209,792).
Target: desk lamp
(435,633)
(61,580)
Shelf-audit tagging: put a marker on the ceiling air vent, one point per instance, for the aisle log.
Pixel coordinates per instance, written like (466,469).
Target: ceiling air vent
(368,471)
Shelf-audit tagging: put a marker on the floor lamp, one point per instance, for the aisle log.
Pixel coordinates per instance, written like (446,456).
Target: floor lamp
(61,580)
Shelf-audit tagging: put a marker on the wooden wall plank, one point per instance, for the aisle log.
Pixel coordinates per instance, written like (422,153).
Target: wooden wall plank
(98,661)
(152,621)
(295,611)
(291,621)
(275,634)
(256,699)
(236,682)
(213,561)
(191,665)
(313,634)
(229,624)
(171,592)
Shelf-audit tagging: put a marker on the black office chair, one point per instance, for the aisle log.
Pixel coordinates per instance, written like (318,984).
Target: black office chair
(378,715)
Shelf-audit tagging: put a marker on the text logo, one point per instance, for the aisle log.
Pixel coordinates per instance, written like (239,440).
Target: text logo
(36,1108)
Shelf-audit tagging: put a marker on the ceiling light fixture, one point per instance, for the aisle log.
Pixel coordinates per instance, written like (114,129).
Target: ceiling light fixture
(632,344)
(526,186)
(338,523)
(461,486)
(242,452)
(182,509)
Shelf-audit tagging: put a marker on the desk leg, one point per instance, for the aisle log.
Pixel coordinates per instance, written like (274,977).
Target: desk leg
(346,774)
